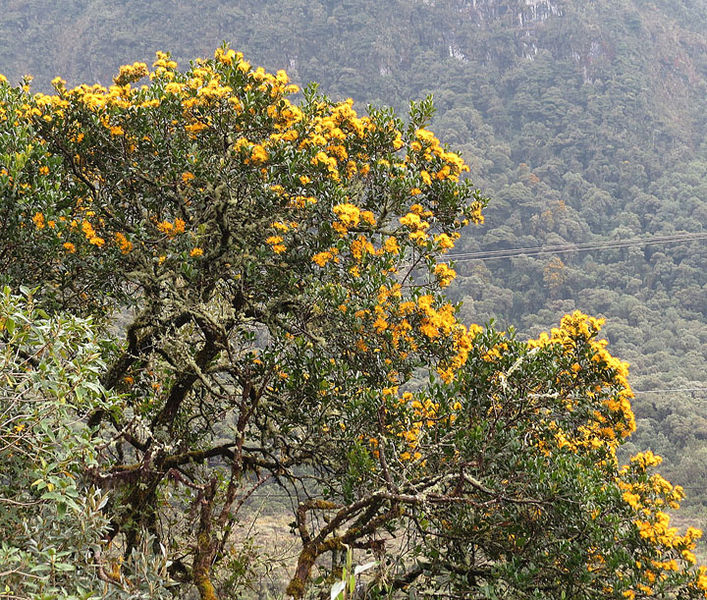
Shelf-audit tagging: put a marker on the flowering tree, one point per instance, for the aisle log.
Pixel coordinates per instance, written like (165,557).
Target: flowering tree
(282,267)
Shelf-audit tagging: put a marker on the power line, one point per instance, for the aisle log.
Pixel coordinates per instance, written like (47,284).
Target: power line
(583,247)
(659,391)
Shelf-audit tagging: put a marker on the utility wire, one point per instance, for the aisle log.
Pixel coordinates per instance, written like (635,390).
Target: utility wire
(583,247)
(659,391)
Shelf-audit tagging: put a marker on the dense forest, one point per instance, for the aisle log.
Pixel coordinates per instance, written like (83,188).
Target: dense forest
(583,121)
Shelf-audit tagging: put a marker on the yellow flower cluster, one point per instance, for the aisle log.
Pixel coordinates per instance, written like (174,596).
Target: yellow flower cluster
(436,322)
(463,338)
(429,146)
(400,321)
(360,247)
(227,56)
(579,330)
(588,437)
(390,245)
(283,226)
(131,73)
(91,235)
(573,328)
(657,492)
(95,98)
(701,583)
(413,221)
(258,155)
(275,243)
(332,130)
(645,460)
(330,162)
(424,413)
(495,353)
(164,61)
(657,530)
(213,90)
(38,220)
(172,229)
(445,241)
(322,258)
(445,274)
(648,496)
(349,216)
(476,216)
(124,244)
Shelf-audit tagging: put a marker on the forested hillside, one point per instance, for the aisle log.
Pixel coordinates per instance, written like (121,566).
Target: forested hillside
(583,121)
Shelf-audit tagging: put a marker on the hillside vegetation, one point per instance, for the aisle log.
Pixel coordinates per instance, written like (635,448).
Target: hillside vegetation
(584,121)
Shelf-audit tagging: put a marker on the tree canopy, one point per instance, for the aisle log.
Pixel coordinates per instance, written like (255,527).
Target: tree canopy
(279,268)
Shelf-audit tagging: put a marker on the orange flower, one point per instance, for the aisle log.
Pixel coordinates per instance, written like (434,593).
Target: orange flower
(38,220)
(123,243)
